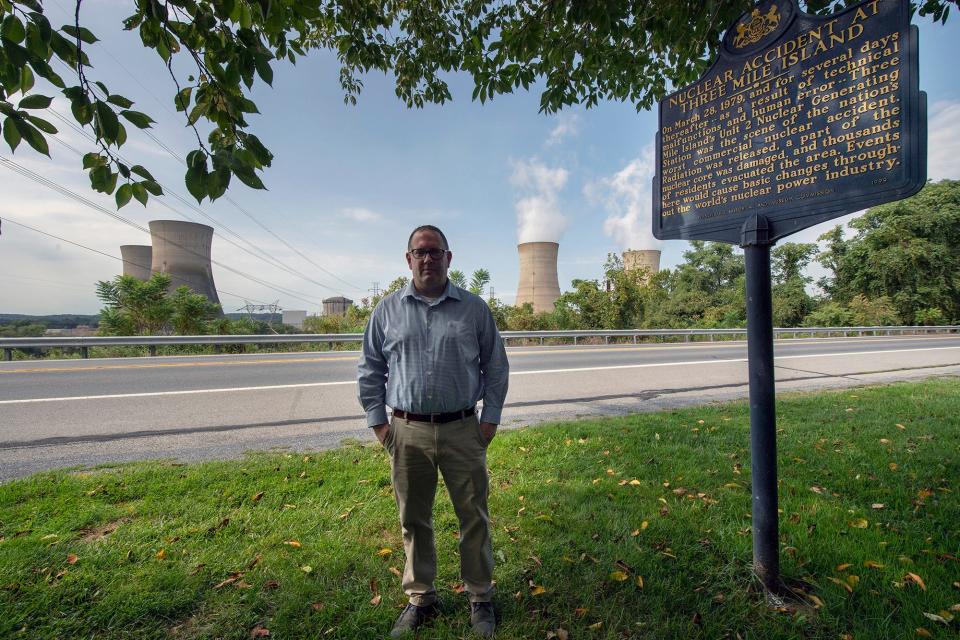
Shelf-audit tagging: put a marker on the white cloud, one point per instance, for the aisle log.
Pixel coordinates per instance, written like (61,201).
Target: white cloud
(539,218)
(943,141)
(627,199)
(359,214)
(568,125)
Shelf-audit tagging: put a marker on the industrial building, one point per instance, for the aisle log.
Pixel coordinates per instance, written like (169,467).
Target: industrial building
(179,249)
(336,306)
(646,259)
(539,284)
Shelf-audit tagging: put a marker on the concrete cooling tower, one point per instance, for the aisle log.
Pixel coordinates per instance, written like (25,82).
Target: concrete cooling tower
(538,275)
(137,259)
(182,250)
(648,259)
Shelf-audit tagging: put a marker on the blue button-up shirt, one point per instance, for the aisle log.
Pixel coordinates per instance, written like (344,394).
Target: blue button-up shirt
(437,356)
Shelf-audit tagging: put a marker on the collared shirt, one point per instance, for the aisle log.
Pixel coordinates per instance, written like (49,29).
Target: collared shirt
(432,357)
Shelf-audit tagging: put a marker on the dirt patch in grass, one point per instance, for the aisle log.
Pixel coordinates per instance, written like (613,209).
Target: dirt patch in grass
(98,533)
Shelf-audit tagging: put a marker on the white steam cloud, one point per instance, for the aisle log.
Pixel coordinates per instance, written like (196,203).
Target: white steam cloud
(943,155)
(538,210)
(626,197)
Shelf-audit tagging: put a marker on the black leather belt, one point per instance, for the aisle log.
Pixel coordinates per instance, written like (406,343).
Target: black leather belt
(439,418)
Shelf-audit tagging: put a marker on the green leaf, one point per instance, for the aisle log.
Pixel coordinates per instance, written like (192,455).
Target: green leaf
(35,101)
(123,195)
(10,134)
(140,171)
(83,33)
(196,183)
(111,182)
(99,176)
(121,135)
(91,160)
(41,124)
(12,29)
(82,110)
(248,177)
(140,193)
(140,120)
(33,137)
(217,182)
(152,187)
(264,70)
(26,79)
(182,99)
(108,126)
(120,101)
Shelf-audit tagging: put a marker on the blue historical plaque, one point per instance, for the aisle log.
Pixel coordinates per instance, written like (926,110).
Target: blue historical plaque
(801,119)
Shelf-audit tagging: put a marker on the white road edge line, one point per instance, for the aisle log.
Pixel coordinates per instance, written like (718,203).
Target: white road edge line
(516,373)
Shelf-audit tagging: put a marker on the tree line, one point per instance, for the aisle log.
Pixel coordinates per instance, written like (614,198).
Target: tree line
(901,266)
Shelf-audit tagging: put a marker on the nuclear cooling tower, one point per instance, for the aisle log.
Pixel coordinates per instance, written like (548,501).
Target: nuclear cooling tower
(182,250)
(648,259)
(538,275)
(136,260)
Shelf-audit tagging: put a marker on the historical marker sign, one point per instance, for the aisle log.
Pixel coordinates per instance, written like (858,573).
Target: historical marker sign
(800,120)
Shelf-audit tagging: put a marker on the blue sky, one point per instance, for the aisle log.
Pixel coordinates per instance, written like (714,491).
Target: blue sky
(349,182)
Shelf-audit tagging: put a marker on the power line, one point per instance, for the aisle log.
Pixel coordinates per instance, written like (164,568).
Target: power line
(177,157)
(70,194)
(269,259)
(82,246)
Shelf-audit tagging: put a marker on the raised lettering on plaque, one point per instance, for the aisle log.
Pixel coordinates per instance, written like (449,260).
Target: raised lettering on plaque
(801,119)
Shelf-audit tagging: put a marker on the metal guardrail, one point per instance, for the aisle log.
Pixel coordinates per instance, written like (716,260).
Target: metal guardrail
(83,343)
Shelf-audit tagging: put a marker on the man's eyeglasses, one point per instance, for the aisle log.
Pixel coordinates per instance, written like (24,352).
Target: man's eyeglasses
(435,254)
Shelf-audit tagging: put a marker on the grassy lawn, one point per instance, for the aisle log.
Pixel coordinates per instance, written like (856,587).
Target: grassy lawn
(635,527)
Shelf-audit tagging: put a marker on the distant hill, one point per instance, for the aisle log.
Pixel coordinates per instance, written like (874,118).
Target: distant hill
(56,321)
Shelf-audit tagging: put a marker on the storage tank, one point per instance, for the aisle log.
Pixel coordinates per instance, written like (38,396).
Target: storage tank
(182,250)
(336,306)
(137,259)
(294,317)
(648,259)
(539,284)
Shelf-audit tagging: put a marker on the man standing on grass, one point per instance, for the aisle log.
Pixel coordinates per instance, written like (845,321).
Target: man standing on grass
(430,352)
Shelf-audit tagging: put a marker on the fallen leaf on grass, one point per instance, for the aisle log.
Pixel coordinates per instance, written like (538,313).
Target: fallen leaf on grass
(619,576)
(842,583)
(259,632)
(844,566)
(396,572)
(893,466)
(254,562)
(256,497)
(923,633)
(596,625)
(559,634)
(853,580)
(935,618)
(859,523)
(318,606)
(639,581)
(383,553)
(873,564)
(900,426)
(233,578)
(912,577)
(271,584)
(635,483)
(884,441)
(375,600)
(877,505)
(161,554)
(817,602)
(580,611)
(306,568)
(293,543)
(537,590)
(72,559)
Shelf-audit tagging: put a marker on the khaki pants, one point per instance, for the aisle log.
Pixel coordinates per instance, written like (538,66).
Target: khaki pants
(458,449)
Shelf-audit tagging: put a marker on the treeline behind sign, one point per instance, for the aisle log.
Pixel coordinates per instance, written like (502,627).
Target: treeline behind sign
(801,119)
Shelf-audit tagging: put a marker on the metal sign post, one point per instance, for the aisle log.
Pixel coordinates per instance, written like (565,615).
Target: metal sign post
(800,120)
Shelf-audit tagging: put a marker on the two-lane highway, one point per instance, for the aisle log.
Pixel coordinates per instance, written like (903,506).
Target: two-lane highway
(69,412)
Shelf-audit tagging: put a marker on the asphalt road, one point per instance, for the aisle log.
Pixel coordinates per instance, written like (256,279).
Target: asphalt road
(81,412)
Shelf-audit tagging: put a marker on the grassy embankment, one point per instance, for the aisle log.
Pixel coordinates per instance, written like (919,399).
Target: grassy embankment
(635,527)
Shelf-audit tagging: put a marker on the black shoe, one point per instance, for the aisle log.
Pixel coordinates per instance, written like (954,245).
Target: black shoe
(482,619)
(411,619)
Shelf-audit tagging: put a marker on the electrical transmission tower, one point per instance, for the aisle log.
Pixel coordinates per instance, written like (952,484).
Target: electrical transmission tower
(273,309)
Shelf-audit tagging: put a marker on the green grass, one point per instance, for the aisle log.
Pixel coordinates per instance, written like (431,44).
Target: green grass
(567,517)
